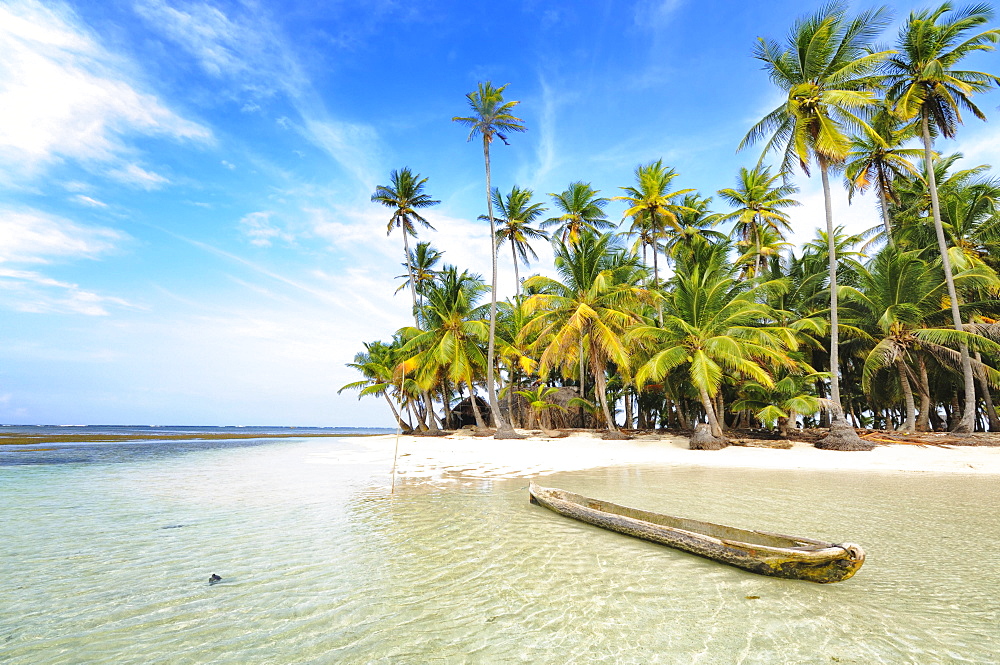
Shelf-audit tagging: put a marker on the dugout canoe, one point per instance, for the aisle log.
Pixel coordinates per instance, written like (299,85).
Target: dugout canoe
(759,552)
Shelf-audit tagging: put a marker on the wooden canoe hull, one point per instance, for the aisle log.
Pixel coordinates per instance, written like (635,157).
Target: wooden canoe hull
(759,552)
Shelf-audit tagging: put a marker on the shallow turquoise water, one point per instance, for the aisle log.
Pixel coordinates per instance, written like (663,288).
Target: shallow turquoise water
(109,562)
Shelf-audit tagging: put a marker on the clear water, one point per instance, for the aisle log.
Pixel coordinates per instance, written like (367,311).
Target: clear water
(108,560)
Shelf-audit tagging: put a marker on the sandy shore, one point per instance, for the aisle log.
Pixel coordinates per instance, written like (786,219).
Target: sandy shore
(462,455)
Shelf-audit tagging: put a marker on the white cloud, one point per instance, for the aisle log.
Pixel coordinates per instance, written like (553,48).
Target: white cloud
(138,177)
(88,201)
(64,96)
(32,236)
(29,291)
(262,230)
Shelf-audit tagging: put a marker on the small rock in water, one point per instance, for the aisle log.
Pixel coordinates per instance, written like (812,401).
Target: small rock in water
(214,579)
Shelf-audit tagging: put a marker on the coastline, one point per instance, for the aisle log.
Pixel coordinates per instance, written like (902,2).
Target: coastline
(462,455)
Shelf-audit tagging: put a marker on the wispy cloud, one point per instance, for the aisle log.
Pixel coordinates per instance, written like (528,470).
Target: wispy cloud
(32,236)
(246,48)
(259,228)
(29,291)
(138,177)
(63,95)
(653,14)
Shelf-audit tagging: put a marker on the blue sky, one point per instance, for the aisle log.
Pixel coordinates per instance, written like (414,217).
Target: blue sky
(186,235)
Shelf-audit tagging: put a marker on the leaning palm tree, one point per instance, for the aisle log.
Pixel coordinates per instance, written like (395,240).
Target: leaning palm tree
(377,364)
(582,210)
(491,117)
(923,82)
(405,197)
(827,70)
(518,213)
(760,204)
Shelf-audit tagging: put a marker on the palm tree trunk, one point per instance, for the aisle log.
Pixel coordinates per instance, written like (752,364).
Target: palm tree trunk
(491,390)
(402,423)
(475,408)
(432,423)
(838,409)
(517,277)
(885,217)
(968,420)
(910,424)
(600,385)
(706,403)
(984,387)
(409,271)
(924,417)
(628,409)
(656,281)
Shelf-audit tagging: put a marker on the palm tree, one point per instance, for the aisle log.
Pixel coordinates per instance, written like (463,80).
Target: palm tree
(712,327)
(518,213)
(759,204)
(377,364)
(694,225)
(422,261)
(923,83)
(450,343)
(650,205)
(583,210)
(827,72)
(405,196)
(491,117)
(581,319)
(879,159)
(899,304)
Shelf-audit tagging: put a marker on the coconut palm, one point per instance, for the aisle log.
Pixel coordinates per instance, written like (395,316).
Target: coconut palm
(827,71)
(760,204)
(694,225)
(405,196)
(517,214)
(651,207)
(582,210)
(450,344)
(899,303)
(580,319)
(423,258)
(712,327)
(491,117)
(923,83)
(880,159)
(377,364)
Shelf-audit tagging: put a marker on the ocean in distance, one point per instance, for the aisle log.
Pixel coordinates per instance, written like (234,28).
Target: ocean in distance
(107,559)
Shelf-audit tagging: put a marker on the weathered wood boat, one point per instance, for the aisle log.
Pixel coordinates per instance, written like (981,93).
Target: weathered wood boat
(757,551)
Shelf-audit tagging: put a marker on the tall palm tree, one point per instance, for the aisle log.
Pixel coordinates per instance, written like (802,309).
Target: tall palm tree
(405,196)
(760,205)
(582,210)
(491,117)
(880,159)
(650,204)
(827,70)
(517,214)
(923,82)
(581,318)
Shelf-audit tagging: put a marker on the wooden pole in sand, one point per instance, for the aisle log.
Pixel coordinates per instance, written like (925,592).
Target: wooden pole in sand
(395,455)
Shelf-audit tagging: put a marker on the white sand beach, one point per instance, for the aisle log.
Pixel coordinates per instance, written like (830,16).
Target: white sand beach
(462,455)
